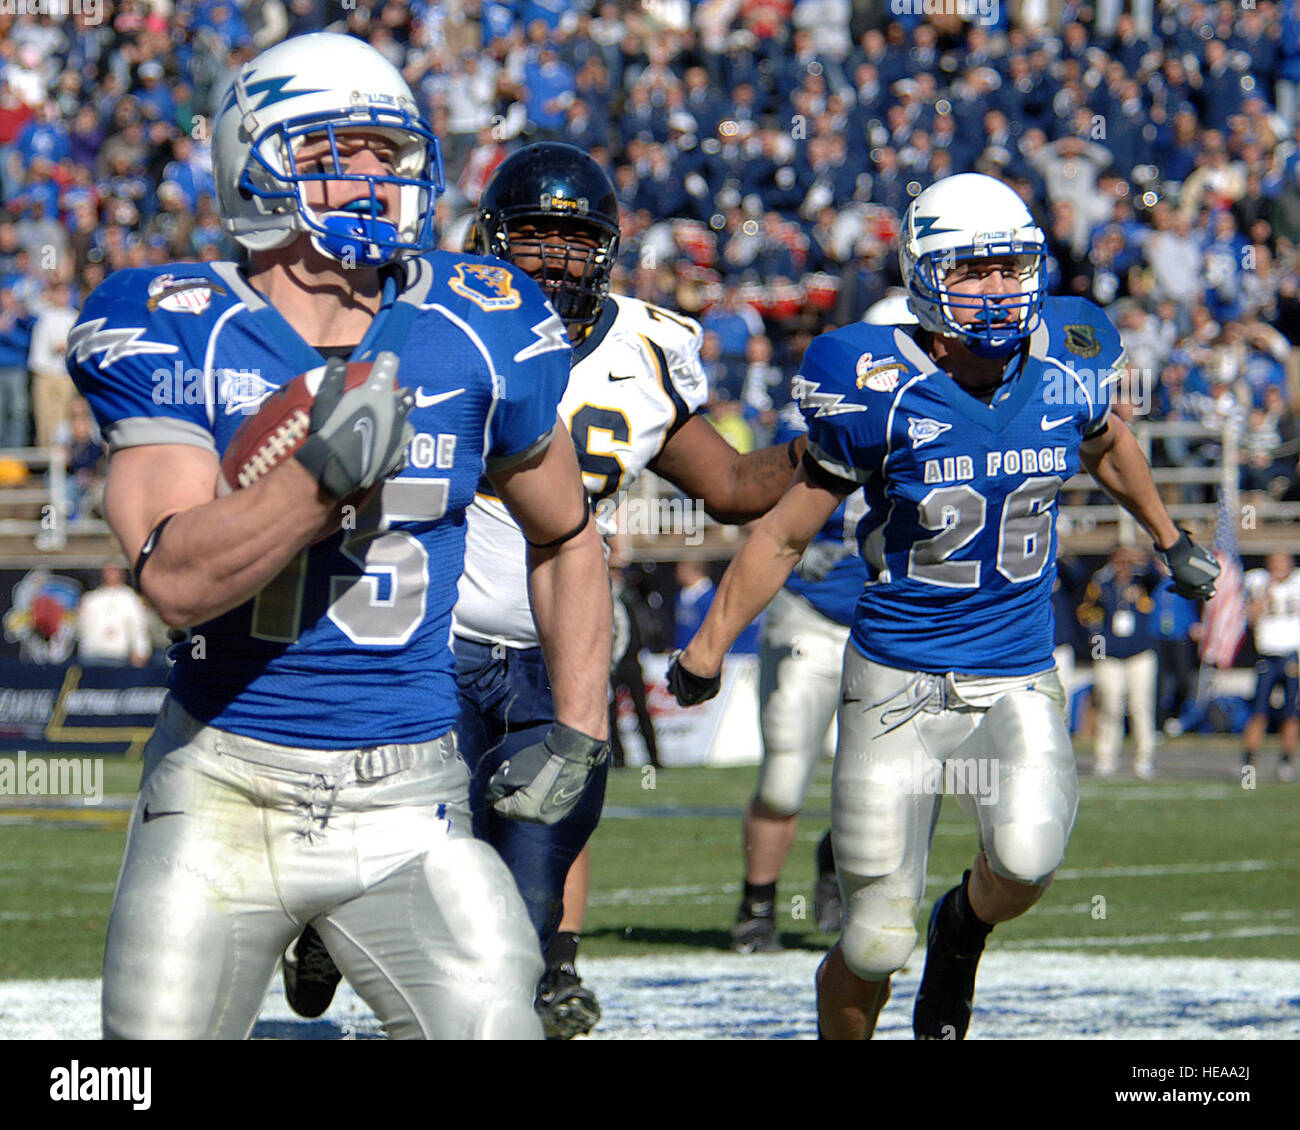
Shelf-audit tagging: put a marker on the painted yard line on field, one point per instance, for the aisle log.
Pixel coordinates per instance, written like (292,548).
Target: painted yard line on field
(1085,909)
(1160,870)
(1120,792)
(1124,940)
(624,895)
(110,803)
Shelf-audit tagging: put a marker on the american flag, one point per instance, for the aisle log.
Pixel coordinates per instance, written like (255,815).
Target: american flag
(1224,622)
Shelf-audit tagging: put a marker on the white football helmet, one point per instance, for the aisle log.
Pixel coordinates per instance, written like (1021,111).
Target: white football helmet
(322,85)
(972,216)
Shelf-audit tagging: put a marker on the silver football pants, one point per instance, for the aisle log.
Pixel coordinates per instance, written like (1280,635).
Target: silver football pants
(1000,745)
(236,844)
(800,660)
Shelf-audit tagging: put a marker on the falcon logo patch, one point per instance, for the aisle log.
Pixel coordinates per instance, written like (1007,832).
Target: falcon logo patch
(1081,340)
(488,287)
(922,430)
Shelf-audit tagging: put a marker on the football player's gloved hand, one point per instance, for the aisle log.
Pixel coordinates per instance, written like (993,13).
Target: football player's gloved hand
(688,688)
(1194,569)
(820,558)
(358,436)
(542,784)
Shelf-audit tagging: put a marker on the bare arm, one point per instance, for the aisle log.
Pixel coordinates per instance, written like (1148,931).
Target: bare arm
(567,584)
(759,570)
(216,552)
(1114,459)
(734,488)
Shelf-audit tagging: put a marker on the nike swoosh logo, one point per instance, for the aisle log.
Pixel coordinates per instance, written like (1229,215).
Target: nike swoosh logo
(147,816)
(562,797)
(366,426)
(622,376)
(1047,425)
(425,401)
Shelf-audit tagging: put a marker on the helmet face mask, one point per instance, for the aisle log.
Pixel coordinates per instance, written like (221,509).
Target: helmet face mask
(973,219)
(551,210)
(324,87)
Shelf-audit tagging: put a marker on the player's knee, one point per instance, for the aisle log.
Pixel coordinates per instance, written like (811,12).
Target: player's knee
(879,933)
(1026,852)
(778,798)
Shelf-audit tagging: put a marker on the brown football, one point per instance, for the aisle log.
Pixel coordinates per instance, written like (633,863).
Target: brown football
(278,428)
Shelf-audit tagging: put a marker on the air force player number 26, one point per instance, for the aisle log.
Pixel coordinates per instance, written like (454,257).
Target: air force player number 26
(960,494)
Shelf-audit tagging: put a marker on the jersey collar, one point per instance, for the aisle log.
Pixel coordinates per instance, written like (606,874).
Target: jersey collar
(602,326)
(1007,402)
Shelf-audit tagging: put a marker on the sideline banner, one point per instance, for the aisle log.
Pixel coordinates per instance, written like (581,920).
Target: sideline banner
(97,709)
(723,731)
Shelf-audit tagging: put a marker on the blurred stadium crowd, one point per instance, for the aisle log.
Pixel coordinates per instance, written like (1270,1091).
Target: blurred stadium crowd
(763,152)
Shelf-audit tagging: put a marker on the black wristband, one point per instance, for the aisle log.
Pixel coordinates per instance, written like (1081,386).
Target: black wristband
(573,533)
(147,550)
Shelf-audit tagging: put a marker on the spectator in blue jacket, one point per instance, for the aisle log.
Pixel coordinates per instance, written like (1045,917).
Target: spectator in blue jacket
(15,397)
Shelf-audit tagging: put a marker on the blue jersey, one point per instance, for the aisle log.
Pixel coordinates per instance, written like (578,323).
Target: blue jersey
(960,535)
(836,594)
(349,646)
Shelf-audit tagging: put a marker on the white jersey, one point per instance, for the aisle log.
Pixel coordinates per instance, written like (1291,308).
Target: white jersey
(1277,631)
(635,380)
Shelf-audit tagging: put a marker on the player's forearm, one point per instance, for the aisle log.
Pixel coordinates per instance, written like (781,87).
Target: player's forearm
(213,557)
(754,483)
(569,590)
(753,578)
(1121,470)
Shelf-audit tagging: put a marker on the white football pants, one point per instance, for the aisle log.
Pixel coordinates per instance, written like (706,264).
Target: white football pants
(236,844)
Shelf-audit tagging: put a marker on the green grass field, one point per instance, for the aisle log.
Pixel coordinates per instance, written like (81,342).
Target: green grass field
(1194,867)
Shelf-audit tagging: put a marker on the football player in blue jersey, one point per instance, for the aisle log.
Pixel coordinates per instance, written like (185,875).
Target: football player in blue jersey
(962,432)
(304,768)
(800,659)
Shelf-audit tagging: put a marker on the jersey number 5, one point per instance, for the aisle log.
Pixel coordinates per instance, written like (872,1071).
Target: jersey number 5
(359,605)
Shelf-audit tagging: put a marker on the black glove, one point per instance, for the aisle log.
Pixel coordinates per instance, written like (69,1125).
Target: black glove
(688,688)
(542,783)
(1194,569)
(359,436)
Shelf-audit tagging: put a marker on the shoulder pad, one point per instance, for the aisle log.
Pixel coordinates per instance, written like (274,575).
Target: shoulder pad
(1080,333)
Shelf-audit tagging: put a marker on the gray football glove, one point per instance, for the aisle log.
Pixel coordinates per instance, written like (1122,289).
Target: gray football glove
(542,784)
(358,436)
(819,558)
(1194,569)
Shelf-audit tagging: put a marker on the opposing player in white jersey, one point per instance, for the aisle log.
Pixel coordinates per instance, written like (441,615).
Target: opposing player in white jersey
(631,403)
(304,766)
(801,660)
(962,432)
(1273,609)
